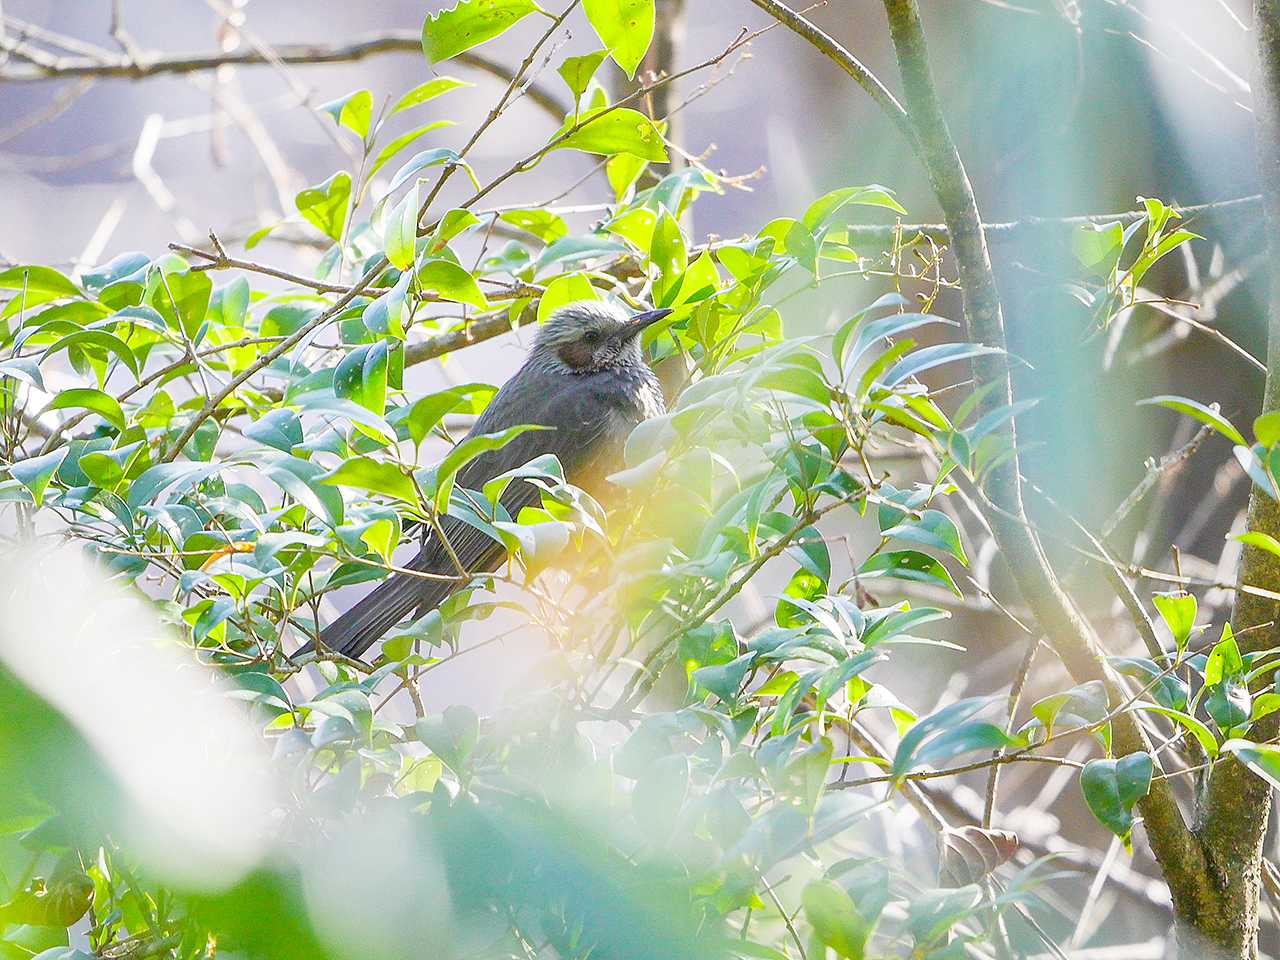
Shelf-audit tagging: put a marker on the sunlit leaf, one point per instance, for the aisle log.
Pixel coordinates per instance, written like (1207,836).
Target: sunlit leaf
(470,23)
(625,27)
(612,130)
(325,206)
(1200,412)
(354,111)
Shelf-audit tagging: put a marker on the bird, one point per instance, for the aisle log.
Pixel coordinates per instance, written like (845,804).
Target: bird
(586,379)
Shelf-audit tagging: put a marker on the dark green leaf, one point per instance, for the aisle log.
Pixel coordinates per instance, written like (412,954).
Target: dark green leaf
(909,565)
(1112,787)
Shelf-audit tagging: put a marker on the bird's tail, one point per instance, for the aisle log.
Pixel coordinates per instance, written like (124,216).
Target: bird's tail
(369,618)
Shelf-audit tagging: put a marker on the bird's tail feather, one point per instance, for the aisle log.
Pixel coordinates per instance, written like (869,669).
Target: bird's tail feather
(356,630)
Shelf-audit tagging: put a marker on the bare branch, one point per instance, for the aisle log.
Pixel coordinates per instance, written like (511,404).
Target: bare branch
(1012,230)
(845,60)
(1070,634)
(302,54)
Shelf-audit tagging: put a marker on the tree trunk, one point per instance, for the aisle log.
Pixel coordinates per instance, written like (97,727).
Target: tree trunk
(1233,818)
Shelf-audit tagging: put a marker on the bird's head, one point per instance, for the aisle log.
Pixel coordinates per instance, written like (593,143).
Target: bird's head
(592,335)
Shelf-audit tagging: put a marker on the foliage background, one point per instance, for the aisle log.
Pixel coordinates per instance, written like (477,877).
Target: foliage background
(1062,110)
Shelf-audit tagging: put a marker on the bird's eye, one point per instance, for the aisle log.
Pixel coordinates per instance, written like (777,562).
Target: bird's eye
(592,336)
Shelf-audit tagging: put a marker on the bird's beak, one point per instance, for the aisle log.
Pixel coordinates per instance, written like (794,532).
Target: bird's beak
(642,320)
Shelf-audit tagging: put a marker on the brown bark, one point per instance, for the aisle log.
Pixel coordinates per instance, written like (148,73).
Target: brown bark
(1233,817)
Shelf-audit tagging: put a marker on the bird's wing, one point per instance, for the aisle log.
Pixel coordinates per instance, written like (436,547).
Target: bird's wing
(579,425)
(581,417)
(576,408)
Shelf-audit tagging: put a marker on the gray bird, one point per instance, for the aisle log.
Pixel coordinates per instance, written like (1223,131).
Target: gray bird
(587,380)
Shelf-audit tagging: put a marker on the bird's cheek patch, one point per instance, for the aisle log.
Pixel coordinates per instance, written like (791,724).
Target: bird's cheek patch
(576,355)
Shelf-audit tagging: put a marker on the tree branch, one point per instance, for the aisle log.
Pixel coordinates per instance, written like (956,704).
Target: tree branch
(1237,803)
(1010,230)
(845,60)
(301,54)
(1069,633)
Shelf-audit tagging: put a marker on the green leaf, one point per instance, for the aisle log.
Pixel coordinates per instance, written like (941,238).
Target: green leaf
(394,146)
(750,949)
(569,288)
(1224,660)
(1254,461)
(421,161)
(378,476)
(725,679)
(927,358)
(35,473)
(169,480)
(933,529)
(181,298)
(623,171)
(1080,706)
(909,565)
(545,468)
(581,249)
(670,255)
(385,316)
(25,369)
(1200,412)
(538,544)
(300,479)
(453,223)
(1095,243)
(1229,703)
(1266,428)
(428,91)
(465,452)
(401,232)
(354,111)
(1193,726)
(823,209)
(106,468)
(543,224)
(85,398)
(468,24)
(450,735)
(578,71)
(1262,541)
(625,27)
(945,733)
(325,206)
(1178,610)
(451,282)
(1112,787)
(1262,758)
(361,376)
(795,240)
(1167,687)
(98,340)
(835,918)
(849,351)
(41,284)
(612,130)
(428,411)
